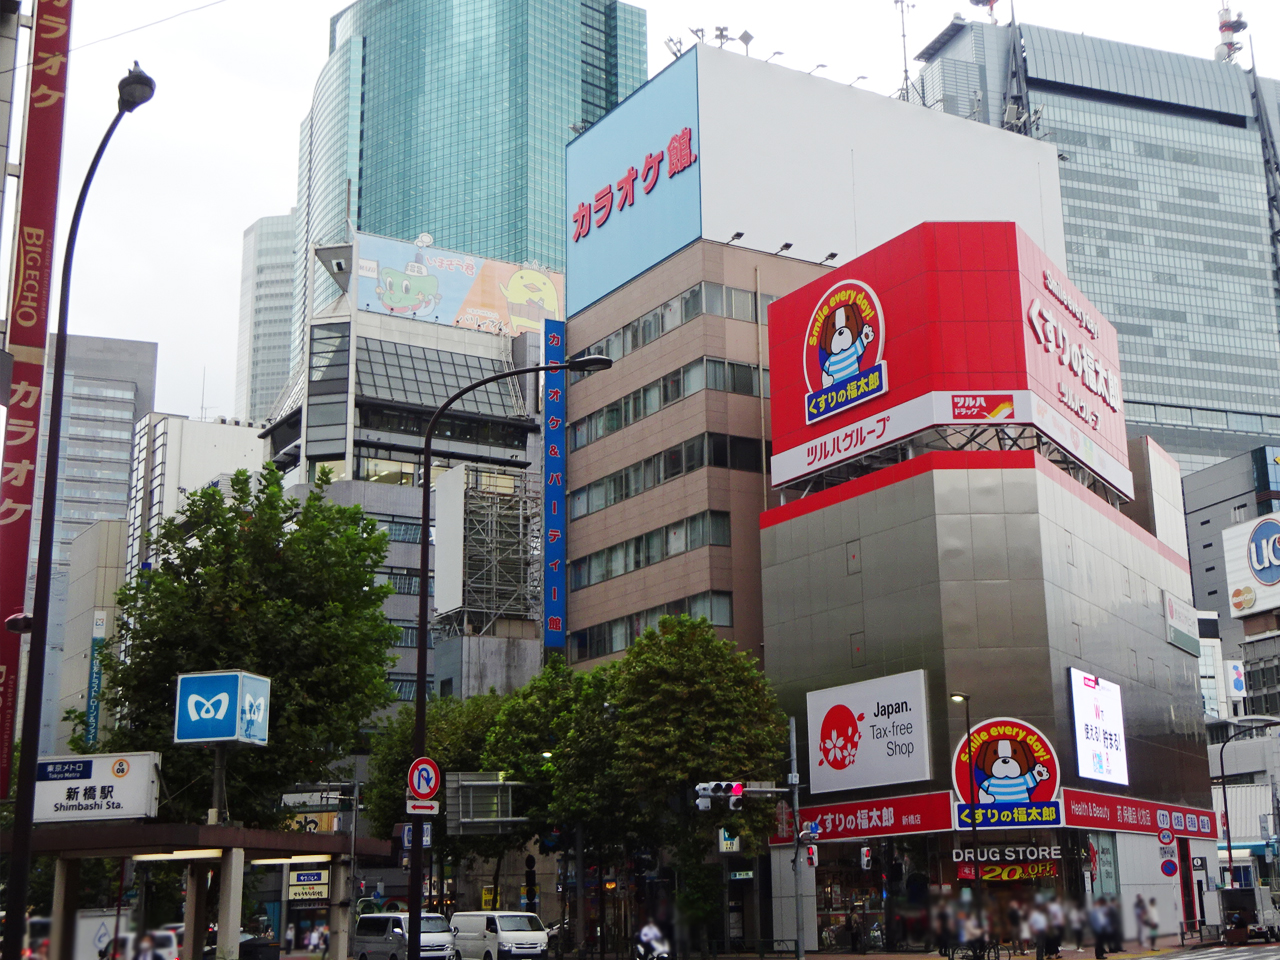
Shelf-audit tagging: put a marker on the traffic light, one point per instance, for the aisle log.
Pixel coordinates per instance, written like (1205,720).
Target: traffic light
(719,789)
(704,796)
(866,858)
(811,854)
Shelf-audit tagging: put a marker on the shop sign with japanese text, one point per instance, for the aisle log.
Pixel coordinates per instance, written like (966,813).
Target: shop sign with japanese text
(1006,775)
(913,813)
(1102,811)
(109,786)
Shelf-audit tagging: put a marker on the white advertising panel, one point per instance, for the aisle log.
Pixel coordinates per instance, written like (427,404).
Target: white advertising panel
(1253,566)
(1099,728)
(108,786)
(869,734)
(1234,669)
(1182,624)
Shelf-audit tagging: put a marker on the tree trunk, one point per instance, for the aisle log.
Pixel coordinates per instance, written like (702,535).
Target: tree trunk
(497,872)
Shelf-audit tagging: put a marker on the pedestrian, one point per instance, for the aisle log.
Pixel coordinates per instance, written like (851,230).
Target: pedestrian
(290,932)
(1115,925)
(1153,923)
(1100,923)
(1139,918)
(1016,922)
(1039,924)
(1076,916)
(1057,928)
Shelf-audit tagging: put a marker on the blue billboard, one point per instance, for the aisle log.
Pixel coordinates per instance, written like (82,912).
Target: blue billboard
(633,186)
(555,516)
(221,706)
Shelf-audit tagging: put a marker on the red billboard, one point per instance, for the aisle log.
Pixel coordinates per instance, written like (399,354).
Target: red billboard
(1105,811)
(949,323)
(28,328)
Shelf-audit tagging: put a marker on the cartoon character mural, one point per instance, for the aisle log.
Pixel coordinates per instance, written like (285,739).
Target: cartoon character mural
(531,298)
(455,289)
(1011,771)
(844,340)
(409,291)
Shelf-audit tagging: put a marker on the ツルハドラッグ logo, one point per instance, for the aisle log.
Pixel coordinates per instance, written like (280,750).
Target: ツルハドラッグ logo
(1264,552)
(844,351)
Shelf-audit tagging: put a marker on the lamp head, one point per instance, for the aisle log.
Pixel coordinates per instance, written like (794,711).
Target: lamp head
(736,236)
(590,363)
(959,697)
(135,89)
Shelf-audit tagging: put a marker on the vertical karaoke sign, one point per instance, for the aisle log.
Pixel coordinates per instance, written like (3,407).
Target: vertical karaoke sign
(28,331)
(554,503)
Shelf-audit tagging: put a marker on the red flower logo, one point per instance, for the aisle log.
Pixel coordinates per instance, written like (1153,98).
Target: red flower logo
(839,738)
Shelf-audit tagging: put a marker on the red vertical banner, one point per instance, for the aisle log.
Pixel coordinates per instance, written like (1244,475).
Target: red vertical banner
(28,334)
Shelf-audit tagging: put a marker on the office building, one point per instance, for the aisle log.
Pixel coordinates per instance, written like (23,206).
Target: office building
(173,455)
(1170,213)
(411,325)
(109,385)
(1224,495)
(266,315)
(672,275)
(974,637)
(430,120)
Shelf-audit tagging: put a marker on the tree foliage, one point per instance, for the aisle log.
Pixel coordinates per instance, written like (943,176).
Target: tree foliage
(261,582)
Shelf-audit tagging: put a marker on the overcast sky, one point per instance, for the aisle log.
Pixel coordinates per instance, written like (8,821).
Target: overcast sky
(160,245)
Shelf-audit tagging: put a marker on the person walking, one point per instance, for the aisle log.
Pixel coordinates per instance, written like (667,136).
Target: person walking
(1057,928)
(1039,924)
(1077,917)
(1115,925)
(1153,923)
(290,932)
(1100,923)
(1139,918)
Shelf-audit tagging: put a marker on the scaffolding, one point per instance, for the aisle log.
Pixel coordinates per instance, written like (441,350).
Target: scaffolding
(501,514)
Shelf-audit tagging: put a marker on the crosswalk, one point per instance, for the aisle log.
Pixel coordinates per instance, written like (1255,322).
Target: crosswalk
(1261,951)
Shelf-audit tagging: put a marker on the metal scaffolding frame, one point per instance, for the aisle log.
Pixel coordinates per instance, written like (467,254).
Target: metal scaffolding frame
(501,546)
(1012,437)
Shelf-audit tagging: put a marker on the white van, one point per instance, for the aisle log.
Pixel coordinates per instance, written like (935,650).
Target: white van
(385,936)
(499,935)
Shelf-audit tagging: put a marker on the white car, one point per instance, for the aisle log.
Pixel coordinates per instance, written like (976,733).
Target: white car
(499,935)
(385,936)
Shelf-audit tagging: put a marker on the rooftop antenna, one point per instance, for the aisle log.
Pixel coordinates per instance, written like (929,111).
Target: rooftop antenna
(990,5)
(903,6)
(722,36)
(1229,25)
(674,46)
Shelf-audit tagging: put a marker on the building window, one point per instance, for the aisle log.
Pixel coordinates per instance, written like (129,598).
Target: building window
(446,687)
(617,635)
(711,527)
(405,685)
(404,580)
(709,449)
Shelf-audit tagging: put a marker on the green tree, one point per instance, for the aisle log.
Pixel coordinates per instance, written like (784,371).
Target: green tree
(261,582)
(456,733)
(693,708)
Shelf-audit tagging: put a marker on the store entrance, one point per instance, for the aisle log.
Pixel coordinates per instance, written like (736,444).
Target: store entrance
(875,894)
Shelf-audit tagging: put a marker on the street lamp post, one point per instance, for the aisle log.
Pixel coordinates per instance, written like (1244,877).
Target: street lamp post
(586,364)
(135,90)
(964,698)
(1222,775)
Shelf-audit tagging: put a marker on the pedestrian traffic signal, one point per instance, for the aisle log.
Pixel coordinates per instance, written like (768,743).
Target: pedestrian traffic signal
(866,858)
(811,854)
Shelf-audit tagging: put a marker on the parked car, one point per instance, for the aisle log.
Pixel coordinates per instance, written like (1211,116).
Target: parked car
(499,935)
(384,936)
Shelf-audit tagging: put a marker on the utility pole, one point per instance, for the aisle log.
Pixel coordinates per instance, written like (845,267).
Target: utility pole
(794,780)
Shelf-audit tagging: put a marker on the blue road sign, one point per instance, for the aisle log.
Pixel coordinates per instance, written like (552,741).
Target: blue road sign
(406,835)
(228,705)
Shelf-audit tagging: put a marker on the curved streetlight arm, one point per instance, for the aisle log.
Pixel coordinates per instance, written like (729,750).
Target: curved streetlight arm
(413,947)
(33,690)
(1222,775)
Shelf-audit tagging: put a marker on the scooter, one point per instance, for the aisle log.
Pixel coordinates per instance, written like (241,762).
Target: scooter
(655,949)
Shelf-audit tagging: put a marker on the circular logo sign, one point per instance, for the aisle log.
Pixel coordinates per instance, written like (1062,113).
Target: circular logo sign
(1242,598)
(1166,837)
(1013,762)
(839,737)
(844,351)
(424,778)
(1264,553)
(120,768)
(1169,868)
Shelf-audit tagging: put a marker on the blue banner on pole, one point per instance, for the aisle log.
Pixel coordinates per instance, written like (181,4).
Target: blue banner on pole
(554,502)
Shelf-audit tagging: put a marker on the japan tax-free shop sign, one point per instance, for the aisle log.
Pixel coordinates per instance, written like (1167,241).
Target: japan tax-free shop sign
(109,786)
(869,734)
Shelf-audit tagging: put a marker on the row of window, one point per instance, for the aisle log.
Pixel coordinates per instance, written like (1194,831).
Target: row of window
(712,298)
(705,373)
(491,432)
(706,449)
(402,529)
(709,527)
(616,635)
(405,581)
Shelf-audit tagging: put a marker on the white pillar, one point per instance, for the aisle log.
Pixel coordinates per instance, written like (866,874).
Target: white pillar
(340,910)
(66,899)
(230,893)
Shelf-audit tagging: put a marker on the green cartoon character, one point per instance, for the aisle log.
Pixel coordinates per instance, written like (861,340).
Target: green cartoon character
(408,291)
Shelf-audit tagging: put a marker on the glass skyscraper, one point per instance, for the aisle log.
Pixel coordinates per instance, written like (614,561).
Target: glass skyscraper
(1166,204)
(450,118)
(266,315)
